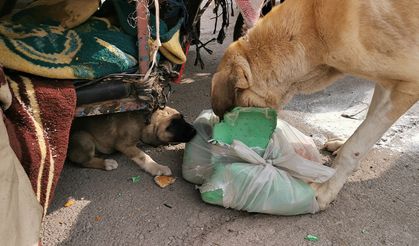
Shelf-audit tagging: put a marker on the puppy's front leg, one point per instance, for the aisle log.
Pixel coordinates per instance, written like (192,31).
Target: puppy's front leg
(387,105)
(144,160)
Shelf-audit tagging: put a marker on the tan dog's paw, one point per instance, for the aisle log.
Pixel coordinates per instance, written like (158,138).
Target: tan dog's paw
(324,194)
(110,164)
(333,145)
(328,191)
(158,170)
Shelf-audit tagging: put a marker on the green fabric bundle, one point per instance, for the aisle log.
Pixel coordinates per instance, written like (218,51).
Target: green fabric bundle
(173,15)
(61,47)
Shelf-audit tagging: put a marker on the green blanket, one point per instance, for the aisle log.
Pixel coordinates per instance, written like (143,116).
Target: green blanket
(90,50)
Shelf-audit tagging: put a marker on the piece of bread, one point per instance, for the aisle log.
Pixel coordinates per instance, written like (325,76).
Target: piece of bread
(164,181)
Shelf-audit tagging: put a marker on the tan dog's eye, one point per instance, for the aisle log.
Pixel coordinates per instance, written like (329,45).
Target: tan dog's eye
(238,90)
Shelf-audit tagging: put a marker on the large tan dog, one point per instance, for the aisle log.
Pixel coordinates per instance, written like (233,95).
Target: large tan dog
(121,132)
(303,46)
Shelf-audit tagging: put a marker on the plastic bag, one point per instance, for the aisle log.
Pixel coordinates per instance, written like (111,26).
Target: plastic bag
(271,181)
(258,188)
(197,159)
(197,166)
(303,145)
(282,152)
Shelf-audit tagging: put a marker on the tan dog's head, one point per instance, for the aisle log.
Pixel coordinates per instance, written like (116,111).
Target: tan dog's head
(167,126)
(280,57)
(232,83)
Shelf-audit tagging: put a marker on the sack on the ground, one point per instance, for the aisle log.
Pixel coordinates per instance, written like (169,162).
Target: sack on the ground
(267,174)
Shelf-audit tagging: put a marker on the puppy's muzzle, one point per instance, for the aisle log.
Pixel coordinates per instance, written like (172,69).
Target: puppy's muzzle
(182,131)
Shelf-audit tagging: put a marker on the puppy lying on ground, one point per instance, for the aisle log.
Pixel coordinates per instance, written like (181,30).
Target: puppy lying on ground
(303,46)
(121,132)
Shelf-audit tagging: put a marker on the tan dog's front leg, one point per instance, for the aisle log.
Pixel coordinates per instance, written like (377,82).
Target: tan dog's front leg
(386,107)
(144,161)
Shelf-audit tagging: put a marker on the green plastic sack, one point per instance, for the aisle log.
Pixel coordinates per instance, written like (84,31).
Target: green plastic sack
(258,188)
(268,183)
(272,180)
(198,158)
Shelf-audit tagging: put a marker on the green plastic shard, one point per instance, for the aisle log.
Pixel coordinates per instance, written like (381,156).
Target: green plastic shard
(311,238)
(135,179)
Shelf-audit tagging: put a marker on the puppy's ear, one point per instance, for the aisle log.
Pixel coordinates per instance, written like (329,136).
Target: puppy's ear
(243,75)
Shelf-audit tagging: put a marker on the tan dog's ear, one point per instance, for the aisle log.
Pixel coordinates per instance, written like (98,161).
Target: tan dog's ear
(222,92)
(243,74)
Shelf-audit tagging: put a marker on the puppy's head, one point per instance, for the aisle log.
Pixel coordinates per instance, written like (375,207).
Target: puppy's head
(167,126)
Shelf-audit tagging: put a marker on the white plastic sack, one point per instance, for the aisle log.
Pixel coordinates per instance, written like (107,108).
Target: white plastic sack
(236,176)
(258,188)
(197,165)
(197,158)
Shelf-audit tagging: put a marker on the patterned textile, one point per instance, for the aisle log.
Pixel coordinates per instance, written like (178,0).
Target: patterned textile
(173,16)
(63,48)
(5,93)
(38,124)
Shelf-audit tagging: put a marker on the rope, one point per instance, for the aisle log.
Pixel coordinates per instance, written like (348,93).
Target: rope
(156,43)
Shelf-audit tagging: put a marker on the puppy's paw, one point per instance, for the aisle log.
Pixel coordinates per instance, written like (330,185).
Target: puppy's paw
(158,170)
(110,164)
(333,145)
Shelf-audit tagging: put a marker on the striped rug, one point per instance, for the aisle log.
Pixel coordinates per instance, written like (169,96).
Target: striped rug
(38,123)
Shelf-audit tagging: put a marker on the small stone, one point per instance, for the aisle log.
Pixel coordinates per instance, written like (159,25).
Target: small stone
(369,184)
(162,225)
